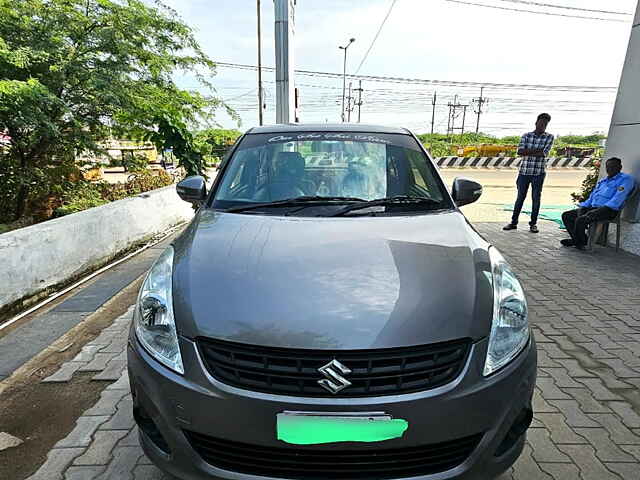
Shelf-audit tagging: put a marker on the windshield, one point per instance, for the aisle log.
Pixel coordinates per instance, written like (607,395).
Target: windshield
(334,166)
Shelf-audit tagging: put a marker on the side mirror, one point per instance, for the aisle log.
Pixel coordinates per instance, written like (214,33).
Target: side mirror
(465,191)
(192,189)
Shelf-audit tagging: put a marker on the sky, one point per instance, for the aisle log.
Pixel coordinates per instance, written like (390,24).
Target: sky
(431,40)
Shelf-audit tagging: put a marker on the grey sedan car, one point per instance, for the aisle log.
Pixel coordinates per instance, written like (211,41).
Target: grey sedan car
(329,313)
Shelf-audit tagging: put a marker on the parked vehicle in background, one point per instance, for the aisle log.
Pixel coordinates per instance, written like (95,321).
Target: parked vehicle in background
(576,152)
(484,150)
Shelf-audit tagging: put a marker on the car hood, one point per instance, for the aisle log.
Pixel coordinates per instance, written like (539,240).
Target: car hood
(328,283)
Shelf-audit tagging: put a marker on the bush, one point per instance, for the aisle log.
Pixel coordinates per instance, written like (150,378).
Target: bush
(581,140)
(136,162)
(84,195)
(440,144)
(147,180)
(588,184)
(81,196)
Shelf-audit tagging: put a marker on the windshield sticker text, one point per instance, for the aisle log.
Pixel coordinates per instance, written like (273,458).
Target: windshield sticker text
(329,136)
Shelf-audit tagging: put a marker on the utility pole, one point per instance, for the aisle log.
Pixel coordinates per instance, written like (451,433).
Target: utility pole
(479,102)
(464,117)
(260,102)
(349,103)
(344,73)
(449,118)
(454,113)
(433,111)
(359,90)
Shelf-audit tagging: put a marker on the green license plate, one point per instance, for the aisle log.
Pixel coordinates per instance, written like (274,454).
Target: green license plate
(312,428)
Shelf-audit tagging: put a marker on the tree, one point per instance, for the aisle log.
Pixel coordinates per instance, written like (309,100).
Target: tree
(214,143)
(72,72)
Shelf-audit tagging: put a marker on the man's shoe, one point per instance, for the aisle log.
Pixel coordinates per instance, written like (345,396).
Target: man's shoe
(582,248)
(533,229)
(510,226)
(568,242)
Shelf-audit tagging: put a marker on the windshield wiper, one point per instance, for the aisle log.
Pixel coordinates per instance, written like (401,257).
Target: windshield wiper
(396,200)
(292,202)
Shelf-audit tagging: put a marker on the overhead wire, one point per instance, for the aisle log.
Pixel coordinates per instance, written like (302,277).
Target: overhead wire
(421,81)
(536,12)
(250,92)
(428,95)
(408,105)
(311,92)
(564,7)
(364,59)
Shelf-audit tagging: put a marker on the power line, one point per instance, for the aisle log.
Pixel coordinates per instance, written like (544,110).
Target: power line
(564,7)
(413,94)
(497,7)
(450,83)
(239,96)
(393,3)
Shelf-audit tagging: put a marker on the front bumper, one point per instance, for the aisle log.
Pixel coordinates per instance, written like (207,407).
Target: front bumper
(197,402)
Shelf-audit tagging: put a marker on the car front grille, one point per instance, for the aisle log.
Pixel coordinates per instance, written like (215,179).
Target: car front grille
(284,371)
(315,464)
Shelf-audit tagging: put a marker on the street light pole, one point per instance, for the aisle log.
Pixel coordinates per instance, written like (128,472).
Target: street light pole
(344,73)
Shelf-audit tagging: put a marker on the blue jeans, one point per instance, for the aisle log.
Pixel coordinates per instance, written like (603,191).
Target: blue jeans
(523,182)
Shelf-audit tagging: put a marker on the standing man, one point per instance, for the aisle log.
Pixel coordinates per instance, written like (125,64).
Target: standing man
(534,148)
(604,203)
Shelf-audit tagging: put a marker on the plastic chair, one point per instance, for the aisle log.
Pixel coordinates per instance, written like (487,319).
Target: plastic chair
(603,225)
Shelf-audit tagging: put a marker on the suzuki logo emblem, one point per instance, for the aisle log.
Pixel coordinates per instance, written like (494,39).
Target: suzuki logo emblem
(334,382)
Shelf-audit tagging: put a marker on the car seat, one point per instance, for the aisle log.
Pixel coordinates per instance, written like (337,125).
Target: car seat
(287,181)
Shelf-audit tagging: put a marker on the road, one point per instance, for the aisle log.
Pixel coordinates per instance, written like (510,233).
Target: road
(556,178)
(500,190)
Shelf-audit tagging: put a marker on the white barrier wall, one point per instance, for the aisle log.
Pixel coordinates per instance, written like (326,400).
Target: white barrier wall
(508,162)
(40,256)
(625,132)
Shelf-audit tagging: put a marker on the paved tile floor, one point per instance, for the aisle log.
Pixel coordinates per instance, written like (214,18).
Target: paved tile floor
(585,312)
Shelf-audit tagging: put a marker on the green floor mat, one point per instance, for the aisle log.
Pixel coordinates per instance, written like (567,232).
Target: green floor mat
(547,212)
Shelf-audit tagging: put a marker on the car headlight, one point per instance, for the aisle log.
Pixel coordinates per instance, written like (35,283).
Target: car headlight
(510,326)
(153,316)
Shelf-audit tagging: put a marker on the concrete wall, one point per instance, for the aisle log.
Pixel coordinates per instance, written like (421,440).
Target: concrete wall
(40,256)
(625,132)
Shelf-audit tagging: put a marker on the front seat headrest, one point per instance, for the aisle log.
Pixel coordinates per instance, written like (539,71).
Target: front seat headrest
(289,164)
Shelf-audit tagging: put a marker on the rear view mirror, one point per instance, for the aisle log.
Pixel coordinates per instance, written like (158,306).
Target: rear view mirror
(192,189)
(465,191)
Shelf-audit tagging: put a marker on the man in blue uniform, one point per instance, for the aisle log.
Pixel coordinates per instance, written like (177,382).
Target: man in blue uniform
(605,202)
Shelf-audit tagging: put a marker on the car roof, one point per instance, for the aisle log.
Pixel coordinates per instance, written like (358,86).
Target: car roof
(327,127)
